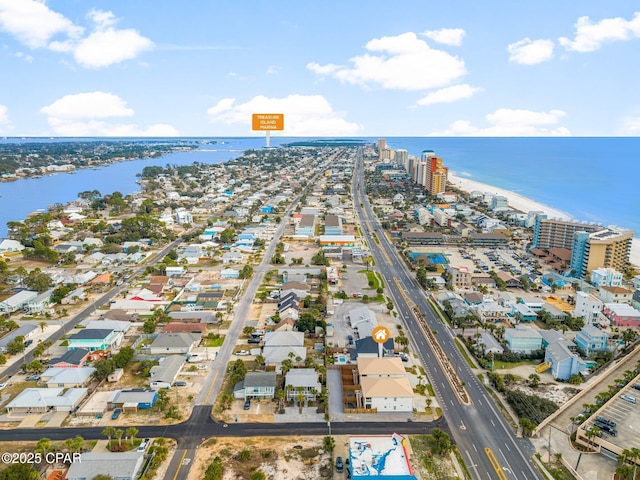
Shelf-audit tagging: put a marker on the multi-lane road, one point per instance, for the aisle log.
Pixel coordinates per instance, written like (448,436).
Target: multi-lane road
(486,443)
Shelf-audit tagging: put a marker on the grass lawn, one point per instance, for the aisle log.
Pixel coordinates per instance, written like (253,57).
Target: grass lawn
(463,351)
(213,342)
(372,279)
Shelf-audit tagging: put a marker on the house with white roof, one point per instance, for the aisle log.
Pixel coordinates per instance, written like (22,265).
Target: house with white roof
(364,320)
(43,400)
(278,345)
(18,301)
(25,331)
(8,245)
(116,465)
(385,385)
(67,377)
(174,343)
(302,381)
(163,375)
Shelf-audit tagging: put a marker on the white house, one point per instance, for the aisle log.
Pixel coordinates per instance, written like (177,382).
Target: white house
(8,245)
(385,384)
(163,375)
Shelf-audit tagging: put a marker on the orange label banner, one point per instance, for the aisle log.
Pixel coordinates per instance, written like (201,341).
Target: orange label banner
(267,121)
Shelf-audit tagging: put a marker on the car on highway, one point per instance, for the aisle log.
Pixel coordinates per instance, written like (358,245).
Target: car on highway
(243,353)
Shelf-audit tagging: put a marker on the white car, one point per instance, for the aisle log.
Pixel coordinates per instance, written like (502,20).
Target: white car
(243,352)
(2,385)
(202,367)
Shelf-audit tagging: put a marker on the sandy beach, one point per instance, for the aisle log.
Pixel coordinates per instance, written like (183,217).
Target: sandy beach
(525,204)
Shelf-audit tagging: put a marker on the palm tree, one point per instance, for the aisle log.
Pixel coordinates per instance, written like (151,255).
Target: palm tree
(131,432)
(42,325)
(260,361)
(119,433)
(322,372)
(300,399)
(280,395)
(593,431)
(109,432)
(43,446)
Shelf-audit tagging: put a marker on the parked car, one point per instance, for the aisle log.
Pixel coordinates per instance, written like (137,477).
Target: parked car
(116,414)
(606,421)
(247,404)
(27,343)
(404,357)
(243,352)
(636,386)
(179,384)
(2,385)
(254,340)
(143,445)
(32,378)
(201,367)
(339,464)
(628,398)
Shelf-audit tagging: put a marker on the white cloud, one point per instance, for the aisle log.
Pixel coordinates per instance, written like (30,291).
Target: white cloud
(88,105)
(4,117)
(447,36)
(304,115)
(590,36)
(506,122)
(273,70)
(33,23)
(85,114)
(449,94)
(107,45)
(530,52)
(404,62)
(630,126)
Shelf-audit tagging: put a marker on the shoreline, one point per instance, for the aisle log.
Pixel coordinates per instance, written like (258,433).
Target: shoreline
(526,204)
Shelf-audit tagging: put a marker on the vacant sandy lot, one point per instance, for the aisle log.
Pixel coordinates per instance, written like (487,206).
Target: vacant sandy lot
(289,458)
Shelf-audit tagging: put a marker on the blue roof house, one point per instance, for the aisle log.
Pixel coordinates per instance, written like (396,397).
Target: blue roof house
(591,339)
(563,362)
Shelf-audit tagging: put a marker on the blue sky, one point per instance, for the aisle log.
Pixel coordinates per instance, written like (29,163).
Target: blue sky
(338,68)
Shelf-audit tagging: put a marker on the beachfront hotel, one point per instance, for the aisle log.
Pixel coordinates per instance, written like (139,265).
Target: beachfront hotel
(608,248)
(555,233)
(427,170)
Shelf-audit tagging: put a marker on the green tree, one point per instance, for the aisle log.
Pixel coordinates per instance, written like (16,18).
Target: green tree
(119,433)
(328,444)
(19,471)
(163,399)
(534,380)
(131,432)
(104,368)
(109,432)
(214,470)
(16,345)
(258,475)
(441,441)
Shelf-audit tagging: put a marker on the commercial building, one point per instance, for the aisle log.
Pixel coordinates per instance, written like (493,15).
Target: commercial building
(380,457)
(609,248)
(555,233)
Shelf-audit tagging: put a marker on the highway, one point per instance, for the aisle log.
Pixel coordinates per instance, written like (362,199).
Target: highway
(485,441)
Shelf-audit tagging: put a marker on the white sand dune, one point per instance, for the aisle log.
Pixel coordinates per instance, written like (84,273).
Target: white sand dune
(525,204)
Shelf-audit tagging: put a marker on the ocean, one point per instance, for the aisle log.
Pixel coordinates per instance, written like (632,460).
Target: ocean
(593,179)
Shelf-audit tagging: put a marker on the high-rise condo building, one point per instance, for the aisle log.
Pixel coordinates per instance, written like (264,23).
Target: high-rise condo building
(608,248)
(554,233)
